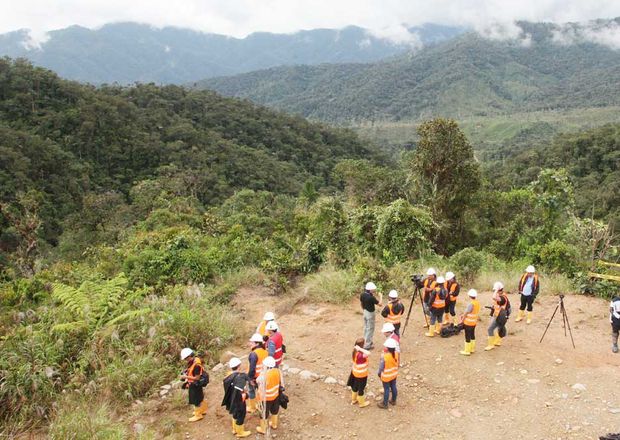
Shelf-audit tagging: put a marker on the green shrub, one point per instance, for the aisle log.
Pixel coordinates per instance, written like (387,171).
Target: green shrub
(81,418)
(560,257)
(132,375)
(402,231)
(330,285)
(467,263)
(370,269)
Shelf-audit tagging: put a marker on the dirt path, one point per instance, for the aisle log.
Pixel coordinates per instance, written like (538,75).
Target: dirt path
(522,390)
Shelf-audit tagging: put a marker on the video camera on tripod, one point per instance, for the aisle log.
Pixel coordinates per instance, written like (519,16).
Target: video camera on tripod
(418,283)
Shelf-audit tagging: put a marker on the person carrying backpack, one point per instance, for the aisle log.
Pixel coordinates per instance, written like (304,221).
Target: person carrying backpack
(235,392)
(453,289)
(437,305)
(194,378)
(500,311)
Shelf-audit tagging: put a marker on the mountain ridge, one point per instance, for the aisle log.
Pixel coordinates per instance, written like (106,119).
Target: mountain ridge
(132,52)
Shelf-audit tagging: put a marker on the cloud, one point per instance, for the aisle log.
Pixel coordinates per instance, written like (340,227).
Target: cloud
(386,18)
(34,39)
(606,34)
(508,31)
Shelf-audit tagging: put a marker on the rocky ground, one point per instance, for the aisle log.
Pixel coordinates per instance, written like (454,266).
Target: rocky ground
(524,389)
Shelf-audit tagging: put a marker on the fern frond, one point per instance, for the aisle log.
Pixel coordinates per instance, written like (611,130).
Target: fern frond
(73,299)
(70,327)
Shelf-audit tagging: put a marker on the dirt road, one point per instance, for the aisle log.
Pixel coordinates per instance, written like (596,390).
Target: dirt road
(522,390)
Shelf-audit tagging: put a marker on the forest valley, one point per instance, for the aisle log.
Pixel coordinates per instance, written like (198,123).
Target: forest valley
(117,202)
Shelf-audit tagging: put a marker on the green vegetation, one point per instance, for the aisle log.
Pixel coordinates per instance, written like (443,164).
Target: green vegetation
(467,76)
(131,216)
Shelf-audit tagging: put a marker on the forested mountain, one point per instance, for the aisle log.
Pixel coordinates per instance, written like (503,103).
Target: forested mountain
(591,158)
(468,75)
(72,144)
(131,52)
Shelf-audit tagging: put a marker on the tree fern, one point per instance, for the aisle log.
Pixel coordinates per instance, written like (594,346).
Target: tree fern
(73,299)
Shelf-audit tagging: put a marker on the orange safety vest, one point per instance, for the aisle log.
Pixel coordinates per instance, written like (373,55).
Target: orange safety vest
(390,367)
(272,384)
(261,328)
(497,307)
(393,317)
(359,370)
(428,284)
(524,278)
(261,353)
(451,290)
(471,318)
(197,363)
(438,303)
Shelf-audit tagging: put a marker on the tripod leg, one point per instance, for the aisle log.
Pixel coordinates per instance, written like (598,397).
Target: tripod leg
(549,323)
(568,325)
(563,312)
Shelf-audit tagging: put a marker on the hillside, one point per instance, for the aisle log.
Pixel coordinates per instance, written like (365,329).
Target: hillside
(467,76)
(67,141)
(130,52)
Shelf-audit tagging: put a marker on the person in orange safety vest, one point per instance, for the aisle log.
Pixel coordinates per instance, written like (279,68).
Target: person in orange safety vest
(469,321)
(388,372)
(359,374)
(393,311)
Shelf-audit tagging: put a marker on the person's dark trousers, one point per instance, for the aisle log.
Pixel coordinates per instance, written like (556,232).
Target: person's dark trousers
(387,387)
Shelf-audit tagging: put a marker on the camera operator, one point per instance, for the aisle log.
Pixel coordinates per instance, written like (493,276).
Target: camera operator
(368,301)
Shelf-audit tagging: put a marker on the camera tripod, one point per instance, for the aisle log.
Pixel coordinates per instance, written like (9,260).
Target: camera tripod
(417,293)
(565,323)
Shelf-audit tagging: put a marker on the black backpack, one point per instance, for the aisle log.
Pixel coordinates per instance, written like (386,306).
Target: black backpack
(442,294)
(204,379)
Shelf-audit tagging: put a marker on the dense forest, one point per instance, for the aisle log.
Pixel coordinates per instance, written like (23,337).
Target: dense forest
(128,211)
(126,53)
(469,75)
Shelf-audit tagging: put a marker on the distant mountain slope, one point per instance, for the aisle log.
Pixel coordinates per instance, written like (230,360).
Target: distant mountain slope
(468,75)
(131,52)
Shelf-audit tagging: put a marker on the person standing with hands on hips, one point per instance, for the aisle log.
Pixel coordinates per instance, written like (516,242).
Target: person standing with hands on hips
(368,301)
(528,288)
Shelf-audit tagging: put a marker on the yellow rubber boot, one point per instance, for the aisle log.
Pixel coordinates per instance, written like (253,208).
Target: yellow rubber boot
(251,405)
(363,403)
(520,316)
(262,429)
(197,416)
(446,319)
(353,398)
(529,318)
(472,346)
(431,331)
(467,350)
(438,328)
(234,426)
(498,341)
(202,409)
(456,321)
(273,422)
(490,343)
(241,432)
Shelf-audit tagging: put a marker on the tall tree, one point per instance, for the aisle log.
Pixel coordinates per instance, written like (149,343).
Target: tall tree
(447,175)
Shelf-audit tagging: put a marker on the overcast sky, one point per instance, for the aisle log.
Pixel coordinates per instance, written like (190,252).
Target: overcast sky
(240,17)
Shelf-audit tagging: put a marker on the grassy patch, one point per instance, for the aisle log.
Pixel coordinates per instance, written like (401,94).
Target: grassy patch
(330,285)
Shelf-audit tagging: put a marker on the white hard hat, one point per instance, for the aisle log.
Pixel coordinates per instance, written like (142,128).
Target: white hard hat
(388,327)
(234,362)
(390,343)
(440,280)
(371,286)
(269,316)
(269,362)
(497,286)
(449,275)
(393,294)
(256,337)
(271,325)
(472,293)
(431,271)
(530,269)
(186,352)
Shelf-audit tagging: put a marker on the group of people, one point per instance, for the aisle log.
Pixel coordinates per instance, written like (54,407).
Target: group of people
(439,298)
(257,388)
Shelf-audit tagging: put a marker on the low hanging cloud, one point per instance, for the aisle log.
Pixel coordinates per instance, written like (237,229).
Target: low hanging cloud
(387,19)
(606,34)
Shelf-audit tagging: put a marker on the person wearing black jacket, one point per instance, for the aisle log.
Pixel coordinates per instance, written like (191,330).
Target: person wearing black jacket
(614,318)
(235,387)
